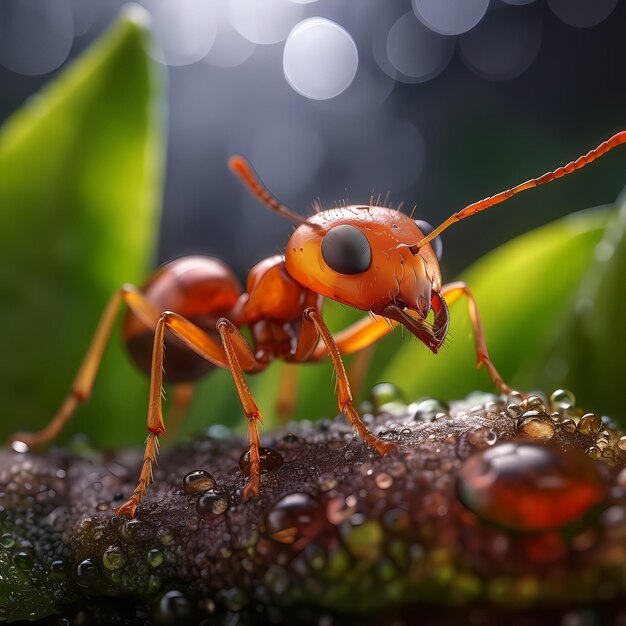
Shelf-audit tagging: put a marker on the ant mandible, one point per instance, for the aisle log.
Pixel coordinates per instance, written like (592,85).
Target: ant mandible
(371,258)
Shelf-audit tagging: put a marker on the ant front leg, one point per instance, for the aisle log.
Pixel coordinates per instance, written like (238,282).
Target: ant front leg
(86,375)
(453,292)
(313,329)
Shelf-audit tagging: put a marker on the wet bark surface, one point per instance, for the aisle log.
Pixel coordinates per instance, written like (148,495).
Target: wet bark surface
(487,509)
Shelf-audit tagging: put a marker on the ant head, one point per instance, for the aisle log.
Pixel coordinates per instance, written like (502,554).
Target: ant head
(360,256)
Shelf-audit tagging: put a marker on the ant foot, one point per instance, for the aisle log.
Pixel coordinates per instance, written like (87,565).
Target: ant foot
(128,509)
(384,447)
(251,490)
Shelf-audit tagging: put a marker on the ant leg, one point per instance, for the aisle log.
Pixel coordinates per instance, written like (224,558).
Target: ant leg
(198,341)
(453,292)
(312,317)
(86,375)
(156,425)
(235,347)
(358,336)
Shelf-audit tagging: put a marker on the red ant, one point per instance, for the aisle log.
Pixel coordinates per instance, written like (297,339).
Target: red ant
(369,257)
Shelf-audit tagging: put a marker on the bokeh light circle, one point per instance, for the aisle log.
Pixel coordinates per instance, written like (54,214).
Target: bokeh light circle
(417,53)
(185,30)
(230,48)
(320,58)
(503,45)
(450,17)
(266,21)
(582,13)
(35,35)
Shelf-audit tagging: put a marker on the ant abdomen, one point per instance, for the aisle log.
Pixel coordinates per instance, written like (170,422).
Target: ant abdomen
(201,289)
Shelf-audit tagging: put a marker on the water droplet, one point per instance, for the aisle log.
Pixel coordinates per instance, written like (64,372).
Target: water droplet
(482,437)
(87,573)
(173,607)
(23,560)
(294,519)
(528,487)
(514,410)
(7,540)
(114,558)
(57,569)
(20,447)
(568,425)
(270,460)
(197,482)
(290,441)
(129,530)
(534,403)
(593,452)
(155,557)
(562,399)
(384,393)
(212,503)
(429,408)
(589,424)
(535,425)
(621,443)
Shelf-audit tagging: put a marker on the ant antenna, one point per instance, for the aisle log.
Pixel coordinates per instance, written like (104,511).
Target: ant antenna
(250,179)
(481,205)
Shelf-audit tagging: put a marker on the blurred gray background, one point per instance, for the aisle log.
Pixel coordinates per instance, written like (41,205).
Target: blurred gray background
(438,102)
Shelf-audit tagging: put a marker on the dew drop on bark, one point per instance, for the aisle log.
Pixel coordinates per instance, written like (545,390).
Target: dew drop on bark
(529,487)
(212,503)
(197,482)
(269,459)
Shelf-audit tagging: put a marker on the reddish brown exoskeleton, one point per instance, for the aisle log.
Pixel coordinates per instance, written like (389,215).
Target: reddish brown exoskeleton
(369,257)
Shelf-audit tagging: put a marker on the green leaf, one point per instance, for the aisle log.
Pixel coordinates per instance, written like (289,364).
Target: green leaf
(524,291)
(80,185)
(591,344)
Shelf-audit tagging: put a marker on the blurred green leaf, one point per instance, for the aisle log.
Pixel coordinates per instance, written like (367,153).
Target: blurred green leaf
(590,345)
(80,186)
(525,291)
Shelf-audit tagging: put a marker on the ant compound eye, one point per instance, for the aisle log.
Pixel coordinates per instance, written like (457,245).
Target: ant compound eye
(346,250)
(436,243)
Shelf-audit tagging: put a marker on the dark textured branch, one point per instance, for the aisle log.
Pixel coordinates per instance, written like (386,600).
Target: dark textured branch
(336,527)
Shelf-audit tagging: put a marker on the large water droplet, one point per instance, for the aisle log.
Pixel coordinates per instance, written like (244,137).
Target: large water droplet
(172,608)
(114,558)
(270,460)
(197,482)
(535,425)
(528,487)
(212,504)
(294,520)
(562,399)
(589,424)
(87,573)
